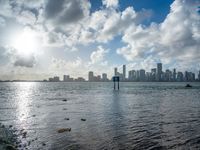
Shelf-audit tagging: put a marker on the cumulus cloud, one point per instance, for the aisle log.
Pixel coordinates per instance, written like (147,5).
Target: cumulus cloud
(2,22)
(177,36)
(98,55)
(24,61)
(66,11)
(110,3)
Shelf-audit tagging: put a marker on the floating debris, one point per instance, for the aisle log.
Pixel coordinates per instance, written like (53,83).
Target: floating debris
(24,134)
(33,115)
(66,119)
(64,130)
(64,100)
(43,144)
(83,119)
(188,85)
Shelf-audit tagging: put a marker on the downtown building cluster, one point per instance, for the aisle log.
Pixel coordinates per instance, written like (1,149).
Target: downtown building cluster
(155,75)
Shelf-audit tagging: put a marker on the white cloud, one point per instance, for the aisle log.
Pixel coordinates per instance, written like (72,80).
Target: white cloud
(2,22)
(177,36)
(98,55)
(110,3)
(26,18)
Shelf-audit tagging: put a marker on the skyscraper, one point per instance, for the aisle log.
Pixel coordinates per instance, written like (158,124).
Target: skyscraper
(124,72)
(174,74)
(115,71)
(90,76)
(142,75)
(104,77)
(199,76)
(153,74)
(159,71)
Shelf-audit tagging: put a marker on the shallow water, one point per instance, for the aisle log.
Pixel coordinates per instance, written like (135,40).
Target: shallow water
(138,116)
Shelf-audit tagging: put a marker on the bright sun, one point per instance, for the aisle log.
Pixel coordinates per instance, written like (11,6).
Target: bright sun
(26,42)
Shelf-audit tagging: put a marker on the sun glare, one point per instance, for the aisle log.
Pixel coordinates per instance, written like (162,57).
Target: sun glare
(26,43)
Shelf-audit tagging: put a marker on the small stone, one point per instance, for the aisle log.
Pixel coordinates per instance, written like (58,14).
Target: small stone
(43,144)
(83,119)
(64,130)
(24,134)
(29,142)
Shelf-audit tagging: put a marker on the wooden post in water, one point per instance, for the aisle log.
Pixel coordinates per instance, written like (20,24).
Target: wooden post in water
(116,79)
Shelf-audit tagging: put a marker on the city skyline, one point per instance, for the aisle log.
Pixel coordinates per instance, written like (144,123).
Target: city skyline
(141,75)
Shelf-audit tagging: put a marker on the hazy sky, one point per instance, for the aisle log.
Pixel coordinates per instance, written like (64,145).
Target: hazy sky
(43,38)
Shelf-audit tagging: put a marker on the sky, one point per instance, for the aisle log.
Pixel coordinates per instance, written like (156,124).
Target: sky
(44,38)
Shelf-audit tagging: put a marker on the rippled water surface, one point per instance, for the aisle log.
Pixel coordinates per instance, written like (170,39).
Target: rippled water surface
(138,116)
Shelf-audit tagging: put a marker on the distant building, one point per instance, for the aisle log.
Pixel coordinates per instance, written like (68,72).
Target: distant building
(189,76)
(179,76)
(66,78)
(115,71)
(153,74)
(124,72)
(199,76)
(90,76)
(174,74)
(167,76)
(142,75)
(98,78)
(132,75)
(159,72)
(104,77)
(54,79)
(80,79)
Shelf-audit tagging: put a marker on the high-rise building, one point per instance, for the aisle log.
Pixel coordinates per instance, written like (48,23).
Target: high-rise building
(179,76)
(153,74)
(159,71)
(199,76)
(66,78)
(115,71)
(174,74)
(54,79)
(90,76)
(104,77)
(167,76)
(124,72)
(142,75)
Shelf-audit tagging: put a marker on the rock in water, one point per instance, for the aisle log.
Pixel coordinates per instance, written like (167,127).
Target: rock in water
(64,130)
(188,85)
(83,119)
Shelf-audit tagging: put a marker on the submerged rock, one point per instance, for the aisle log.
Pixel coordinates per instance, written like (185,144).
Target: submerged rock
(64,130)
(188,85)
(43,144)
(66,119)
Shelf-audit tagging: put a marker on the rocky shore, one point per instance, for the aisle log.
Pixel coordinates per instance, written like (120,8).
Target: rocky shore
(8,138)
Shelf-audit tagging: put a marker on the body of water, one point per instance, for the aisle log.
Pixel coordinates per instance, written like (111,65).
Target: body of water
(138,116)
